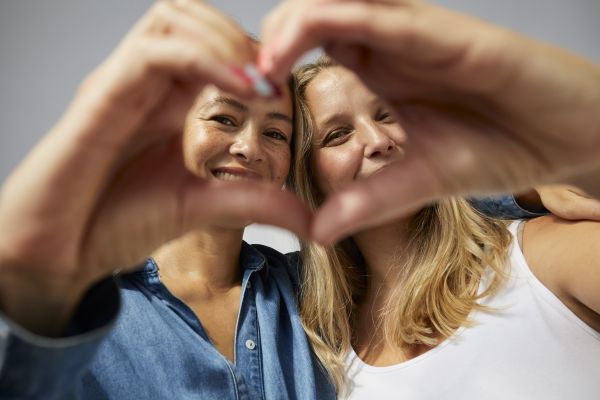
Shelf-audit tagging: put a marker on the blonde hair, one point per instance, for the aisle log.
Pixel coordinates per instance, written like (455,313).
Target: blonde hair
(450,245)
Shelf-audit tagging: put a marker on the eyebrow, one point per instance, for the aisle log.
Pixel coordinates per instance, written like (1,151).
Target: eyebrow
(332,119)
(243,108)
(280,116)
(227,101)
(339,117)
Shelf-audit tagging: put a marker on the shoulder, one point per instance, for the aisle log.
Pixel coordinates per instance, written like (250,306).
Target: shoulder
(565,256)
(553,240)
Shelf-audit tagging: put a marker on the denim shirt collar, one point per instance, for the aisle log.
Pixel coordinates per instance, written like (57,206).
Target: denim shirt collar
(250,260)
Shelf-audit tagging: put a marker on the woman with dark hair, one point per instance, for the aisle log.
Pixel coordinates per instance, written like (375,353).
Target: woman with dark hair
(207,316)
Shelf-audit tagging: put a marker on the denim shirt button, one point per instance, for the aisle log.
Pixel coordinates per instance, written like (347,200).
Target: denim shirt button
(250,345)
(249,285)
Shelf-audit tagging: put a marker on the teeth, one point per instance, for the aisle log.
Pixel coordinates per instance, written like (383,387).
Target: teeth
(226,176)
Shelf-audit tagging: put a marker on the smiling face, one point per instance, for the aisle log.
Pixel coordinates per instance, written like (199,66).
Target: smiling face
(354,133)
(228,138)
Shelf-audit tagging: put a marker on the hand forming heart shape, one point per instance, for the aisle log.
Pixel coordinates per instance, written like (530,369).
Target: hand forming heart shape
(484,109)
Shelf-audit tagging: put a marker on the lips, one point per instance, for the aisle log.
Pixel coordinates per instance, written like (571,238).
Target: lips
(373,171)
(235,174)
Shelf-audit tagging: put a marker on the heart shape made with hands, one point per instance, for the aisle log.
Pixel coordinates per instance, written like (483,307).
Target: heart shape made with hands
(108,184)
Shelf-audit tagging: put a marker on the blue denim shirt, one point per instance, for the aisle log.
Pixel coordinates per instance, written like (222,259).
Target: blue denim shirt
(157,348)
(504,207)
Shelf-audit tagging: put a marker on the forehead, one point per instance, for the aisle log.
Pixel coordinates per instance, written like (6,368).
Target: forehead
(336,90)
(211,96)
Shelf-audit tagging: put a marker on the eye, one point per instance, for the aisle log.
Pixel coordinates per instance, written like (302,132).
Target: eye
(337,137)
(383,115)
(223,120)
(275,134)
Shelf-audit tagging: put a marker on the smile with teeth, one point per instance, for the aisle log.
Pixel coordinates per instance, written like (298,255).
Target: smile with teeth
(235,175)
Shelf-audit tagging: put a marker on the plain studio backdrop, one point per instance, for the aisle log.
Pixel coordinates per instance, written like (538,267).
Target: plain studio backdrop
(47,47)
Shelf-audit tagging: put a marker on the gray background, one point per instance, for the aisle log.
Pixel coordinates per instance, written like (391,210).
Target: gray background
(47,47)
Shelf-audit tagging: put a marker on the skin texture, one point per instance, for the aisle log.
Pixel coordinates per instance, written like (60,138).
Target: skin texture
(229,134)
(355,133)
(484,109)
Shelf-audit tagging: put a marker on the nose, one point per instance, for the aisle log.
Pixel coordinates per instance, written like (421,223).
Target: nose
(377,141)
(247,146)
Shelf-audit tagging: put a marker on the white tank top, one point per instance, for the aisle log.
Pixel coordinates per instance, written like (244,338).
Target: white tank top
(534,347)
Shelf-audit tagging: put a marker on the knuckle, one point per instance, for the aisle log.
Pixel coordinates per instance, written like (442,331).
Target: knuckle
(160,10)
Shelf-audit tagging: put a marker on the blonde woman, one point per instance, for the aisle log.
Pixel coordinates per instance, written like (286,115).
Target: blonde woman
(444,303)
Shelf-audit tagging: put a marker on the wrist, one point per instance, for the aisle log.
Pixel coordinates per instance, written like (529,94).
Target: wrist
(42,306)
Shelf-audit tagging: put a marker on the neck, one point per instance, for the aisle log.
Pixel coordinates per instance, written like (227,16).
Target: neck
(209,256)
(382,248)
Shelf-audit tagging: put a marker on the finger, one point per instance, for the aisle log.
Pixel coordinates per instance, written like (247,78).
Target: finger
(203,23)
(236,203)
(274,20)
(129,82)
(352,22)
(208,14)
(187,63)
(396,191)
(579,192)
(155,199)
(210,32)
(573,206)
(583,208)
(271,27)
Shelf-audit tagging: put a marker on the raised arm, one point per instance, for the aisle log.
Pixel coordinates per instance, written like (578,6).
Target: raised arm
(485,109)
(107,185)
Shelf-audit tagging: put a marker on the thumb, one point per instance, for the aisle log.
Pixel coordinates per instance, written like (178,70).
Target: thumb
(394,192)
(235,204)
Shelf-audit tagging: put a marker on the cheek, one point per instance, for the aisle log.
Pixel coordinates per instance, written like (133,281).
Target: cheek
(280,165)
(397,134)
(334,169)
(189,148)
(198,148)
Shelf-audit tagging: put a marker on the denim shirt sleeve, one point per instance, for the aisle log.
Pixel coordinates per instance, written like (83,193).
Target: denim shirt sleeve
(37,367)
(502,206)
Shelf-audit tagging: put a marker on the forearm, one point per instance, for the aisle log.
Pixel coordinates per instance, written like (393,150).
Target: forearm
(39,303)
(36,366)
